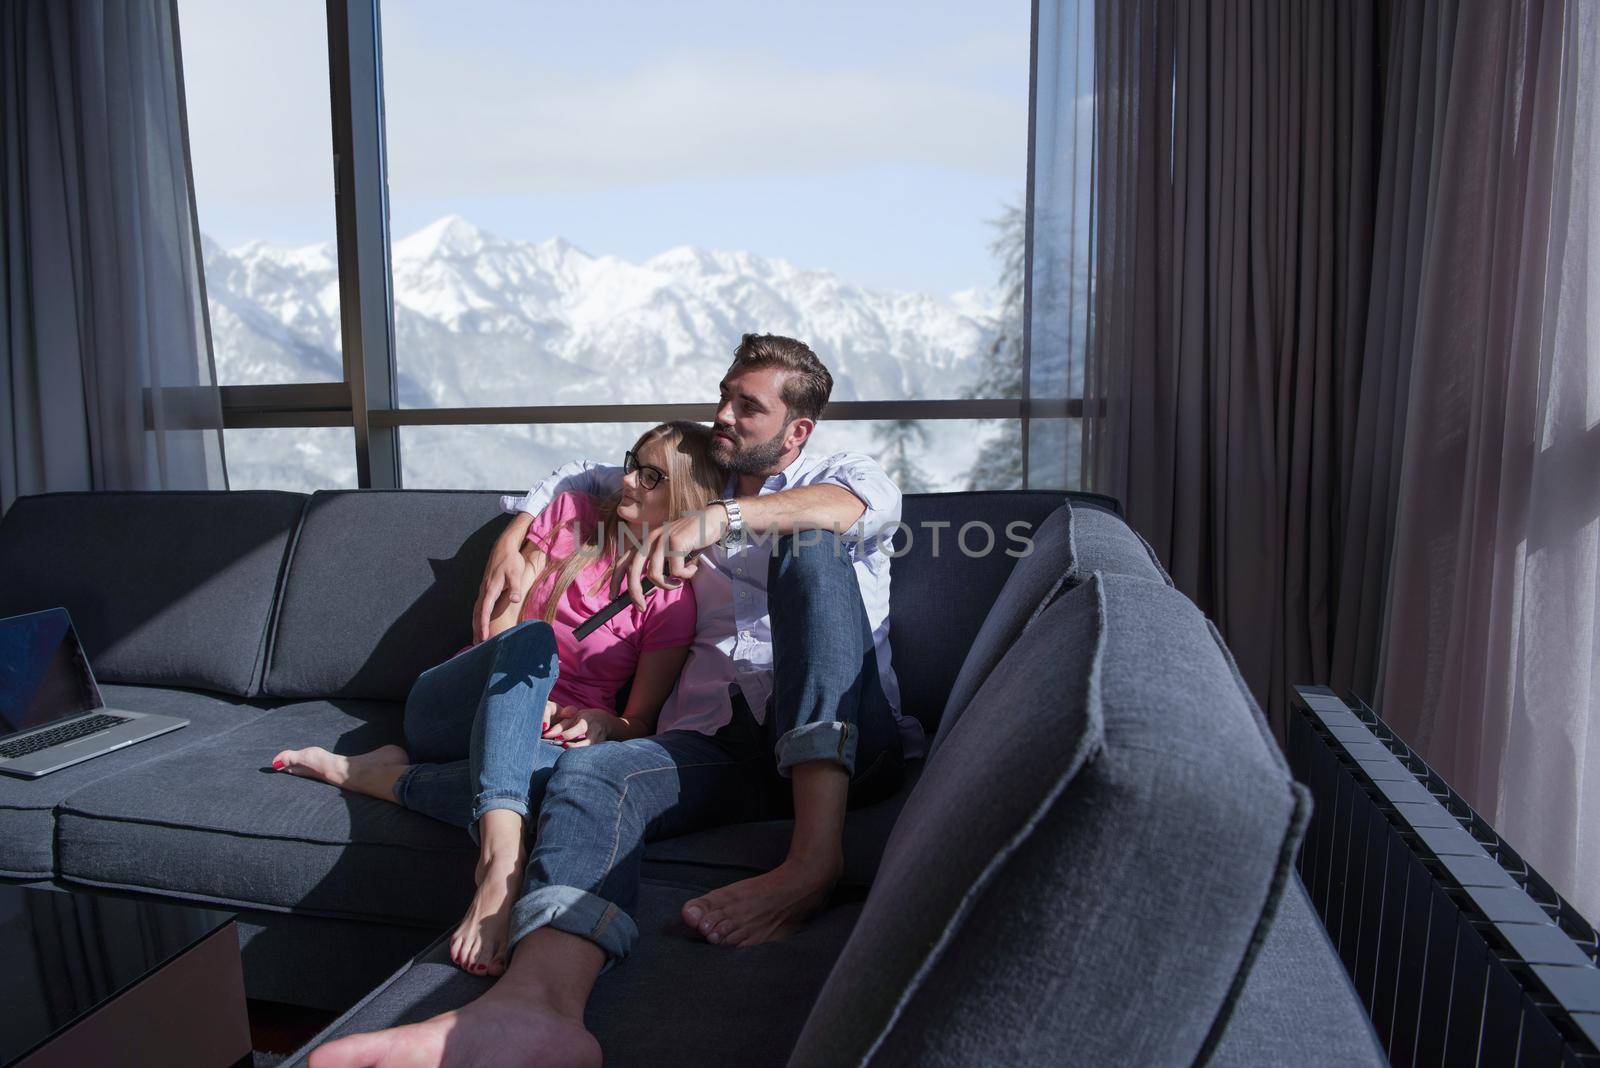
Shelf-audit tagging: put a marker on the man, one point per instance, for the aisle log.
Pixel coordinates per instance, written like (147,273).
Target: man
(789,678)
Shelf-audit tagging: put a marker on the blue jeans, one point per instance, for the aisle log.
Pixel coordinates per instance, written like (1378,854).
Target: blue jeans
(605,802)
(473,724)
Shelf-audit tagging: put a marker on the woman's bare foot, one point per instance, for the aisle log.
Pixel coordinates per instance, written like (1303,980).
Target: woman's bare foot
(765,907)
(371,773)
(502,1029)
(479,944)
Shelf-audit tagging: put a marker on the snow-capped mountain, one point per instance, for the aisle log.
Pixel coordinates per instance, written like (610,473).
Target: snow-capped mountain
(485,321)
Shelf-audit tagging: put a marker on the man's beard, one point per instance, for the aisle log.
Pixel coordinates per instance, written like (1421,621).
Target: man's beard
(754,459)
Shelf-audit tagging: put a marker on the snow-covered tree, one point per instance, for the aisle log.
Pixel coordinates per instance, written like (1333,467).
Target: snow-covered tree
(899,442)
(999,461)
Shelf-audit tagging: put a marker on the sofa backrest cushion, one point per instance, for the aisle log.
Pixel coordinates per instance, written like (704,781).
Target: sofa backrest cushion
(939,595)
(164,588)
(1103,541)
(380,588)
(1084,866)
(1036,578)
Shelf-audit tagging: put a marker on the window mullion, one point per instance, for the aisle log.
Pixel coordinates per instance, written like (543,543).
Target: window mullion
(355,72)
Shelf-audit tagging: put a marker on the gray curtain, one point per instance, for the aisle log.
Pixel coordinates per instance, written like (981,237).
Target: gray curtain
(1236,160)
(106,374)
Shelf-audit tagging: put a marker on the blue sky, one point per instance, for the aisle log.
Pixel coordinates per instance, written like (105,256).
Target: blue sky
(852,137)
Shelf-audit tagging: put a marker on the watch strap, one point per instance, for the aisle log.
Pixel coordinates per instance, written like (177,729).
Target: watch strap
(735,531)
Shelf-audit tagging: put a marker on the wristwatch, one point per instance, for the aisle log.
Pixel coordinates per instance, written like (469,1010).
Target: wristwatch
(735,532)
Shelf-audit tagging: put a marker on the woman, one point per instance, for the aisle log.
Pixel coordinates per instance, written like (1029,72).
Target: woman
(485,727)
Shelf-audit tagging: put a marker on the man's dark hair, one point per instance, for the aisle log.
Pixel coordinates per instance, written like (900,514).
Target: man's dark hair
(806,389)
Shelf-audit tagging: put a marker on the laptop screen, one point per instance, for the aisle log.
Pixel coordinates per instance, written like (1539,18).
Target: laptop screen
(44,675)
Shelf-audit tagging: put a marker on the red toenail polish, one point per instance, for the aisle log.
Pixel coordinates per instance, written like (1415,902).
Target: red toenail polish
(277,765)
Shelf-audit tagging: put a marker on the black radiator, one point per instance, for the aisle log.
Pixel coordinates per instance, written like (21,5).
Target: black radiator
(1461,952)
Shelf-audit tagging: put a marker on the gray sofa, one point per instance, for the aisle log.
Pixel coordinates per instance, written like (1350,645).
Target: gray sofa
(1093,864)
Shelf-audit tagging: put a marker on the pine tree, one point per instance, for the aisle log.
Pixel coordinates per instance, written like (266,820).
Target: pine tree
(898,443)
(999,462)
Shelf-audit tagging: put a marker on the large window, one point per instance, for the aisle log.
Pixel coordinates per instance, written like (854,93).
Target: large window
(587,205)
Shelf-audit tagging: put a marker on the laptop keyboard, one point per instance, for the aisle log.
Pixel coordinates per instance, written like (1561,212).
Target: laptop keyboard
(56,735)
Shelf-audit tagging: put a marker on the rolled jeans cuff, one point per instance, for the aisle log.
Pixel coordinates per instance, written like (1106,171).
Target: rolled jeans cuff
(486,802)
(489,802)
(577,912)
(433,790)
(832,740)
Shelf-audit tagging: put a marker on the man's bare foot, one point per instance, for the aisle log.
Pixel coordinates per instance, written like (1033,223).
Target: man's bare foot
(479,944)
(765,907)
(317,763)
(502,1029)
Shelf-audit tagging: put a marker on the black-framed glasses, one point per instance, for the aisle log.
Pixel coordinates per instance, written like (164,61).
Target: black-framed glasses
(649,477)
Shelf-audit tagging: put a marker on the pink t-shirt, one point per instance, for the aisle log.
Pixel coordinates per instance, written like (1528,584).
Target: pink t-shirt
(593,670)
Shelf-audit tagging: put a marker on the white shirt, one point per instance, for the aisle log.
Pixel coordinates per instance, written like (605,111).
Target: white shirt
(733,630)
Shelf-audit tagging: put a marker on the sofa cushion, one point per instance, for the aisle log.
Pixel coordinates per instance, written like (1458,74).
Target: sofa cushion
(1100,833)
(1103,541)
(216,824)
(380,588)
(1298,1006)
(28,806)
(675,1000)
(1037,578)
(165,589)
(939,595)
(719,855)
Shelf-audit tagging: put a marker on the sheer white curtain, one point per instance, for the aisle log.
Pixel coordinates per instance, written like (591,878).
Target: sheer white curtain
(106,375)
(1492,636)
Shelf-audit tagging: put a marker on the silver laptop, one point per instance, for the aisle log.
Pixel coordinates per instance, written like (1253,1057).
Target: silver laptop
(51,713)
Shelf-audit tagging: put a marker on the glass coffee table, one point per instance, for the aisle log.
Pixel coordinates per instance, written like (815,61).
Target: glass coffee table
(96,979)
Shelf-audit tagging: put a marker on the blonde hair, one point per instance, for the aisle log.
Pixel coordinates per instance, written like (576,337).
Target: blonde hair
(693,481)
